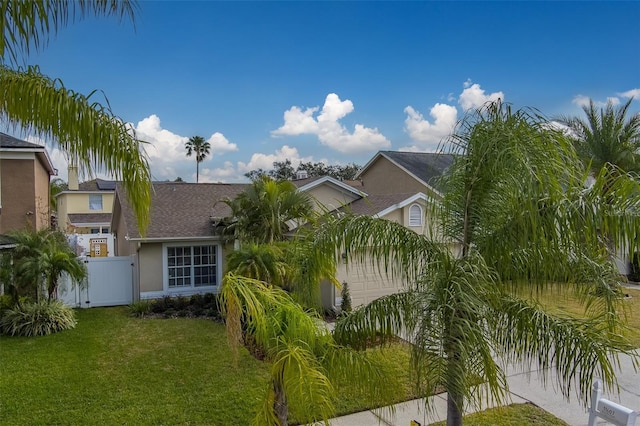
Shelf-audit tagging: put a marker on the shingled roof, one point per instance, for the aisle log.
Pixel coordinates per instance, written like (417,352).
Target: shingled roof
(97,185)
(426,166)
(181,210)
(374,204)
(87,218)
(9,142)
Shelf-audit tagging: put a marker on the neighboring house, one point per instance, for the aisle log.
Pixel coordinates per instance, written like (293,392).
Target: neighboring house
(84,214)
(182,253)
(389,172)
(25,172)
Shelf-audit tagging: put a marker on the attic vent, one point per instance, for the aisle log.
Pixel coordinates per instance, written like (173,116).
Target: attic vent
(302,174)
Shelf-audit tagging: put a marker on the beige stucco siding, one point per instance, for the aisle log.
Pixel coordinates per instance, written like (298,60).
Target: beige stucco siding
(42,193)
(150,267)
(18,194)
(78,202)
(330,197)
(384,177)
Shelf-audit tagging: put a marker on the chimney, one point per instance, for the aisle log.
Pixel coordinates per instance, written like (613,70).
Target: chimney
(302,174)
(73,177)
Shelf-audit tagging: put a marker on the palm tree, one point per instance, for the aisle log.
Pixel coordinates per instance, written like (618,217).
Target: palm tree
(264,212)
(81,126)
(39,259)
(607,136)
(305,359)
(56,186)
(200,148)
(517,207)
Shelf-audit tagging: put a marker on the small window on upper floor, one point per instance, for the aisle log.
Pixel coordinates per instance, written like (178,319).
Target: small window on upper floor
(95,202)
(415,215)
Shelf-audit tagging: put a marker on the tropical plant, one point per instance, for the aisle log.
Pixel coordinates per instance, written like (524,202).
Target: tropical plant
(305,359)
(38,261)
(37,319)
(517,208)
(200,148)
(56,186)
(264,211)
(80,125)
(607,136)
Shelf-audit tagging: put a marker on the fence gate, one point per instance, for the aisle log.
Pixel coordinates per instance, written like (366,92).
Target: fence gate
(109,283)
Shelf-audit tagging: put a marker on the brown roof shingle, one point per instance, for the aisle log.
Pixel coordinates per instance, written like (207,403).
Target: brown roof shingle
(374,204)
(78,218)
(181,210)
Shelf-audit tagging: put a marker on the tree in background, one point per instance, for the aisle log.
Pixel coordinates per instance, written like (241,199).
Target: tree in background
(200,149)
(516,200)
(80,125)
(283,170)
(607,136)
(56,186)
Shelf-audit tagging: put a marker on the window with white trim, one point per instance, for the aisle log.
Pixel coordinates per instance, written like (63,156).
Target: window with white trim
(192,266)
(415,215)
(95,202)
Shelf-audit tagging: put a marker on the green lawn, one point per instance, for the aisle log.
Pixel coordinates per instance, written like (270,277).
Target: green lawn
(511,415)
(114,369)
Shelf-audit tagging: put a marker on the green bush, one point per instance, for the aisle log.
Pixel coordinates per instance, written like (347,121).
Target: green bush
(140,308)
(37,319)
(635,267)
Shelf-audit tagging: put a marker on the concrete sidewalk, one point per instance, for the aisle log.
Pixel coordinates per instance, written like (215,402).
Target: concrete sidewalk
(523,387)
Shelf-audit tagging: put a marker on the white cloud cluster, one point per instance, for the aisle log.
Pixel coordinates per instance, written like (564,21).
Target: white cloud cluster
(473,96)
(329,130)
(265,161)
(166,149)
(426,134)
(583,101)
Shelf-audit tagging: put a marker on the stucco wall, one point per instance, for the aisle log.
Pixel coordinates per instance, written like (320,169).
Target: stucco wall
(150,267)
(330,197)
(78,202)
(41,186)
(18,193)
(384,177)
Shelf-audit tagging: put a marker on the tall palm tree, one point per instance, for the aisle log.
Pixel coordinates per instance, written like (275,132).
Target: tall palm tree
(200,148)
(264,212)
(607,136)
(517,207)
(84,128)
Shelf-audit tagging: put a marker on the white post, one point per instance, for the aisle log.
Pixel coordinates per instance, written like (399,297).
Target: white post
(608,410)
(596,394)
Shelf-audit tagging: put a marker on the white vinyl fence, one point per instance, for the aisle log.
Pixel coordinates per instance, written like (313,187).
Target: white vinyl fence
(109,283)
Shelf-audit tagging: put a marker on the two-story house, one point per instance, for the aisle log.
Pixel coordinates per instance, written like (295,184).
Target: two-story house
(25,172)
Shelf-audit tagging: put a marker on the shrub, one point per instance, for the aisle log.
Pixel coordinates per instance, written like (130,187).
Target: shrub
(345,305)
(37,319)
(635,267)
(140,308)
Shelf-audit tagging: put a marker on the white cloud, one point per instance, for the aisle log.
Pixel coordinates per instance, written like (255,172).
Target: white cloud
(633,93)
(220,144)
(328,128)
(583,101)
(265,161)
(473,96)
(167,155)
(227,173)
(428,135)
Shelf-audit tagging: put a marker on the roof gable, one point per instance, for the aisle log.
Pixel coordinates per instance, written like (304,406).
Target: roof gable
(423,166)
(10,143)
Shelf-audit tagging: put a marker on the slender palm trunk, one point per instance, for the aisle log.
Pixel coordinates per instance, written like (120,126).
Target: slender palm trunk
(197,171)
(280,406)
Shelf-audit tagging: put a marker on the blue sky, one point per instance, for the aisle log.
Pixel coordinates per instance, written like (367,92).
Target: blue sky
(338,81)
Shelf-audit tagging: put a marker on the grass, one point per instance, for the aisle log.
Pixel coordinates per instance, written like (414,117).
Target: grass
(567,303)
(511,415)
(114,369)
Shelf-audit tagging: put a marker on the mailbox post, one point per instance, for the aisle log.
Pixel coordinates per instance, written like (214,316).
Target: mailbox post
(609,410)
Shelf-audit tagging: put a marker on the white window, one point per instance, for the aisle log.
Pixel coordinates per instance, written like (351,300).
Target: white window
(191,266)
(415,215)
(95,202)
